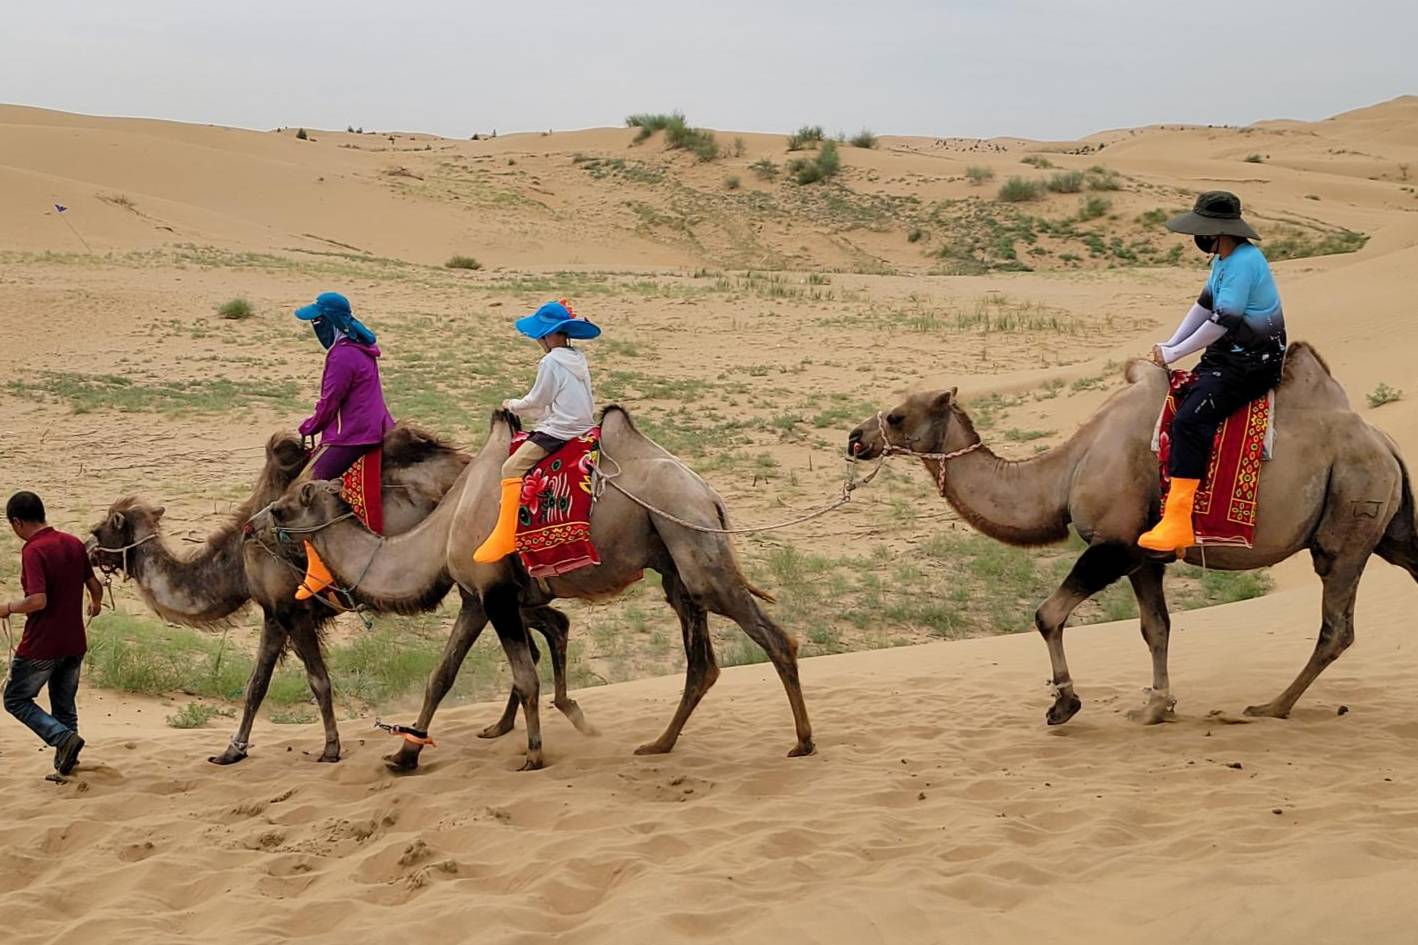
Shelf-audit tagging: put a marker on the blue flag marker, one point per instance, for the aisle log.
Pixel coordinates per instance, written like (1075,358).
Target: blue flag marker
(60,207)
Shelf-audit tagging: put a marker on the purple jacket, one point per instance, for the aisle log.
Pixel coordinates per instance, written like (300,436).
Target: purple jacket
(351,409)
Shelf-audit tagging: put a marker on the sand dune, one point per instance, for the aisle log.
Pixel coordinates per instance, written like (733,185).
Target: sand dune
(939,807)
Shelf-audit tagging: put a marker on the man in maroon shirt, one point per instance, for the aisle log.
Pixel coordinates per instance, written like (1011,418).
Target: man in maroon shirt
(54,572)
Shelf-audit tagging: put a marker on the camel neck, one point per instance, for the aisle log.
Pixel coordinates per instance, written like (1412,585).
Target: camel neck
(1020,502)
(398,573)
(199,589)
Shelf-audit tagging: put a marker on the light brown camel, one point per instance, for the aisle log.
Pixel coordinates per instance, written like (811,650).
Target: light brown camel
(208,586)
(699,570)
(1336,486)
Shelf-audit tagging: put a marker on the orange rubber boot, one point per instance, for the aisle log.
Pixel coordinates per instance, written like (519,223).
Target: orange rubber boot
(503,540)
(317,576)
(1174,532)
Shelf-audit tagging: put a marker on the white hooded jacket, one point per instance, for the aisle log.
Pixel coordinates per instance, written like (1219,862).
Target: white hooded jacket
(561,397)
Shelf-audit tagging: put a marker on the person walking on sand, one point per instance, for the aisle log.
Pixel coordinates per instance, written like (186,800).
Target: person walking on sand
(560,398)
(1239,323)
(54,573)
(350,416)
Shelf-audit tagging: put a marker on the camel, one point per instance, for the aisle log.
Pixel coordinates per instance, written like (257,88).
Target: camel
(1336,486)
(210,585)
(699,570)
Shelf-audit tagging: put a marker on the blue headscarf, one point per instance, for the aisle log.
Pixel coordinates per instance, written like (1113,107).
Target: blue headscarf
(332,320)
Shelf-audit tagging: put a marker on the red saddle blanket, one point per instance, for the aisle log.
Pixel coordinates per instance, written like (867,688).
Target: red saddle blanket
(1225,511)
(360,488)
(554,519)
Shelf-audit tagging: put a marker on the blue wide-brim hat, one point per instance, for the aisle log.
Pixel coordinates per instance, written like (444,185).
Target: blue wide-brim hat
(334,309)
(556,317)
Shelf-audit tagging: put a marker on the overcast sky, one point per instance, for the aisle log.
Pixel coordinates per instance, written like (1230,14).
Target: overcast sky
(1038,68)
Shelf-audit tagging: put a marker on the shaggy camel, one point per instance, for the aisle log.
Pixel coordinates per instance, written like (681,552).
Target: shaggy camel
(1336,486)
(210,585)
(699,570)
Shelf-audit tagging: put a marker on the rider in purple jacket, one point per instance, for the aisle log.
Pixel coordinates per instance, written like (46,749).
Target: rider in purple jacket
(350,415)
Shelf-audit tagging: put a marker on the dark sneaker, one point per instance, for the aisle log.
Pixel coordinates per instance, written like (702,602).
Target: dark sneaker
(66,756)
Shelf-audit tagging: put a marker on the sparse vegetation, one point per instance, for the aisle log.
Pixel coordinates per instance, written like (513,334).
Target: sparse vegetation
(765,169)
(808,136)
(1255,159)
(1036,160)
(915,234)
(1019,190)
(823,166)
(235,309)
(739,148)
(1295,243)
(301,135)
(732,182)
(122,201)
(1066,182)
(1094,207)
(194,715)
(1102,178)
(462,262)
(864,139)
(1384,394)
(648,124)
(977,174)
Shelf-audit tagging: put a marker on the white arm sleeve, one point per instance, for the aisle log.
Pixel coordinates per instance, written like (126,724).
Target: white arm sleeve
(539,398)
(1190,323)
(1203,336)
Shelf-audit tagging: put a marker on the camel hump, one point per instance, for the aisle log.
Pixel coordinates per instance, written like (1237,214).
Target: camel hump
(1308,382)
(409,444)
(1136,370)
(284,451)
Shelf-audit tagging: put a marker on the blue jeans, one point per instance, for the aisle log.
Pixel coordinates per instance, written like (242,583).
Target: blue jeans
(27,678)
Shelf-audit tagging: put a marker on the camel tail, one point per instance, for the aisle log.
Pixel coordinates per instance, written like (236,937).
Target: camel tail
(753,589)
(1399,546)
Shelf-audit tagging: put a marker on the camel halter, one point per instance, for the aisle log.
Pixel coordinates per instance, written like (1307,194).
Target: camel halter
(891,449)
(348,604)
(122,550)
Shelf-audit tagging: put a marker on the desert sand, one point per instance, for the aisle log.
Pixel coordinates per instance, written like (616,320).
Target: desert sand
(938,808)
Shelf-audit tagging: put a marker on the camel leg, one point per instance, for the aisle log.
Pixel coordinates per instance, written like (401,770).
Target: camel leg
(1098,566)
(555,627)
(700,668)
(1156,630)
(503,609)
(466,628)
(1341,586)
(268,652)
(307,646)
(783,651)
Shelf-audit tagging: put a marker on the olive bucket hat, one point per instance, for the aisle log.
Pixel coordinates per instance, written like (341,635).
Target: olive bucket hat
(1215,213)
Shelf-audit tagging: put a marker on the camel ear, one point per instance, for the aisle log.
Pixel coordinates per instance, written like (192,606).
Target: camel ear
(119,520)
(307,492)
(943,400)
(159,512)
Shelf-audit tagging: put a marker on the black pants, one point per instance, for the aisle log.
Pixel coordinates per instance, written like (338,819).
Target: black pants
(1206,404)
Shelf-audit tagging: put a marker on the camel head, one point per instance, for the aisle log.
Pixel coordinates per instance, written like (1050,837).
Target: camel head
(304,507)
(922,423)
(128,523)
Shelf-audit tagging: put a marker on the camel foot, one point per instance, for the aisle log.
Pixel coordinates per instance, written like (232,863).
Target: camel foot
(329,755)
(496,729)
(803,748)
(1268,711)
(1065,707)
(1159,708)
(572,711)
(402,762)
(533,763)
(655,748)
(229,757)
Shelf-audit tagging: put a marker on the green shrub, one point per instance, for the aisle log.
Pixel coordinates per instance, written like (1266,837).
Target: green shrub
(1255,159)
(1037,160)
(1094,207)
(1019,190)
(1067,182)
(697,141)
(824,165)
(462,262)
(739,147)
(1383,394)
(864,139)
(732,182)
(977,174)
(1293,243)
(301,135)
(764,168)
(1102,178)
(807,136)
(914,234)
(1154,217)
(193,715)
(235,309)
(651,123)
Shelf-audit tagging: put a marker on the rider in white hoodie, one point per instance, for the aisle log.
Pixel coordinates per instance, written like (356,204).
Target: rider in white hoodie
(560,399)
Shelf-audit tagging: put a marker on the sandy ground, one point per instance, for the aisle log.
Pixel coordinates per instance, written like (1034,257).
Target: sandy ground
(939,808)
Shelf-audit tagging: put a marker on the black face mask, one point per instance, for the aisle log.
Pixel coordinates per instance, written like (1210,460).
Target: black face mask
(324,332)
(1207,244)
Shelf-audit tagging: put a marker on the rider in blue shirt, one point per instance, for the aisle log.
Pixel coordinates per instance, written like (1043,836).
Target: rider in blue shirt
(1239,322)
